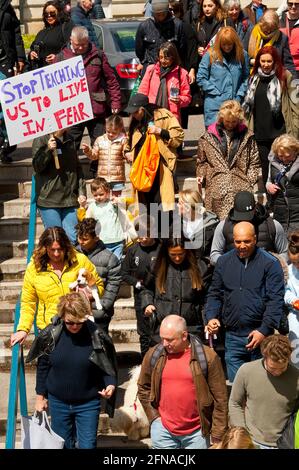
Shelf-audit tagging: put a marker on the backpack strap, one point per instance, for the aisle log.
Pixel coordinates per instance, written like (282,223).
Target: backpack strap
(156,354)
(199,350)
(201,356)
(271,229)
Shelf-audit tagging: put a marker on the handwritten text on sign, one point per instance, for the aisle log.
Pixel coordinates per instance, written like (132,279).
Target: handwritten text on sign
(44,100)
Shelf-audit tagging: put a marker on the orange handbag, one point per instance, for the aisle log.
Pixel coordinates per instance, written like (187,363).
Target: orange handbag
(145,165)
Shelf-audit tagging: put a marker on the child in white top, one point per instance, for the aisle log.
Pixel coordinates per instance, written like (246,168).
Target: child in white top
(291,296)
(101,209)
(108,150)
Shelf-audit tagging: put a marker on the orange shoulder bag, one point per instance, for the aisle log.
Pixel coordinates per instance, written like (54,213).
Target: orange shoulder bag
(145,165)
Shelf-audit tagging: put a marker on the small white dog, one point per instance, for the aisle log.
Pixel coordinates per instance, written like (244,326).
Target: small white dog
(86,280)
(131,418)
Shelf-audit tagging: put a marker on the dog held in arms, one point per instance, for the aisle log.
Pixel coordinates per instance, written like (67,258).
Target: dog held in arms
(131,418)
(86,283)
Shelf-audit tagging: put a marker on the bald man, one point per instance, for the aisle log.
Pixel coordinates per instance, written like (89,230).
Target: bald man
(246,296)
(183,392)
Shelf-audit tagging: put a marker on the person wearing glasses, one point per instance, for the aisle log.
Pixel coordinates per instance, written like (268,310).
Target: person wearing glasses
(53,37)
(289,25)
(55,264)
(76,367)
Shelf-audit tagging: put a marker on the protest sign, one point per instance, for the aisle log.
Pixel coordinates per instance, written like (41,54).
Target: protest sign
(44,100)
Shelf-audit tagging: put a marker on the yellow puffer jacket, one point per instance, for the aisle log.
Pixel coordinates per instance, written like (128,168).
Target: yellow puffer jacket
(44,288)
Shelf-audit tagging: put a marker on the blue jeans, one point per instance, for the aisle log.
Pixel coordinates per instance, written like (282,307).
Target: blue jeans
(163,439)
(77,422)
(236,353)
(61,217)
(116,248)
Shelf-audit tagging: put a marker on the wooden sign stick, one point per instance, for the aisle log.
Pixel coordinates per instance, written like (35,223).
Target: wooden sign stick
(56,159)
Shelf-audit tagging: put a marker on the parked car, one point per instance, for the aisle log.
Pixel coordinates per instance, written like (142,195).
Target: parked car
(117,39)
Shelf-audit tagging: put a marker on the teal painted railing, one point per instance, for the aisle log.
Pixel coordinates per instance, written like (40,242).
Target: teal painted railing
(17,387)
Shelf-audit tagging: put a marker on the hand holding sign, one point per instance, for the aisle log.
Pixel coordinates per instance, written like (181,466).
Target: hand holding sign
(52,145)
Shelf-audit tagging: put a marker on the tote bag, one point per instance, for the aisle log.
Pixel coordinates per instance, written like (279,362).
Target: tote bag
(145,165)
(36,433)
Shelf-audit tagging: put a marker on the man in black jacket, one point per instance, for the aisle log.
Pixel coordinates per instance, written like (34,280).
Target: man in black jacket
(153,32)
(107,266)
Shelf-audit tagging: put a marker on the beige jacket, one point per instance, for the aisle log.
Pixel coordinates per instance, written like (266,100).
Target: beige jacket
(165,120)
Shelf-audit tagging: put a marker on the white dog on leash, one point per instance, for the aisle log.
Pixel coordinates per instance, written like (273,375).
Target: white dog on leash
(86,280)
(131,418)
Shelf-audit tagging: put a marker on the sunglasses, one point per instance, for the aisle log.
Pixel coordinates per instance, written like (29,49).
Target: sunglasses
(72,323)
(293,4)
(51,14)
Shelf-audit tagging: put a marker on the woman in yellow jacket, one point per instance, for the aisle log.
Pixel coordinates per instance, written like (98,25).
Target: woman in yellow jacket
(54,265)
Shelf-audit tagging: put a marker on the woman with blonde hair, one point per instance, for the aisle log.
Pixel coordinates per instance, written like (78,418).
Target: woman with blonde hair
(198,224)
(54,265)
(223,73)
(267,33)
(227,159)
(236,437)
(76,367)
(283,181)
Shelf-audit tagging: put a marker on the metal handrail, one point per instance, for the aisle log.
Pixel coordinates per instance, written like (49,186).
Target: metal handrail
(17,374)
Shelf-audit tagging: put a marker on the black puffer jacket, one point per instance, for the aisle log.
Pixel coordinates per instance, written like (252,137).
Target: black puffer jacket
(179,297)
(286,200)
(108,268)
(151,35)
(11,42)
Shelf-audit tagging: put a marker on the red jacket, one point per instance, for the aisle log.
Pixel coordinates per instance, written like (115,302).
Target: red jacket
(178,77)
(96,65)
(293,36)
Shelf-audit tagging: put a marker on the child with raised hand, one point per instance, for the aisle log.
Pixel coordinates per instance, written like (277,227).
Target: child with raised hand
(107,215)
(291,296)
(108,150)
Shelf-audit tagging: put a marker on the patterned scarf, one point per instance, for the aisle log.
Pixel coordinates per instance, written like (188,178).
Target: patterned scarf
(273,93)
(162,95)
(258,40)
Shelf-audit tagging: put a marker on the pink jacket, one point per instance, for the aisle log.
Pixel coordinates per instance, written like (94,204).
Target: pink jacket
(178,77)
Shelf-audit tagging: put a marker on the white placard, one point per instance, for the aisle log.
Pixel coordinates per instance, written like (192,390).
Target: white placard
(44,100)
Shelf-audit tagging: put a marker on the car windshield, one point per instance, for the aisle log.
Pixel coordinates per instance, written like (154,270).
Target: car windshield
(124,38)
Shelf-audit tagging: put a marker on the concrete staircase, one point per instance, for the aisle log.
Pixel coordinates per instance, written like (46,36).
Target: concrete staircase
(15,191)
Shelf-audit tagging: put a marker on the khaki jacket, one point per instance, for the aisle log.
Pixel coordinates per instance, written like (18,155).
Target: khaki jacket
(165,120)
(211,394)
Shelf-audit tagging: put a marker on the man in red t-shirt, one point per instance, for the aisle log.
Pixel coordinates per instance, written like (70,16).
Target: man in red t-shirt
(184,407)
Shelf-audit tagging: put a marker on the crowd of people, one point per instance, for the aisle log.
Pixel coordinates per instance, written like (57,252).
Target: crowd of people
(204,264)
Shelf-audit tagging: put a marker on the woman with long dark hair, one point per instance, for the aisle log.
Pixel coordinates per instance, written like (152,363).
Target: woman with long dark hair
(177,284)
(53,37)
(269,103)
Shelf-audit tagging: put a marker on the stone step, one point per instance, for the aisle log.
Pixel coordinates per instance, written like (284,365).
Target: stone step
(127,353)
(9,188)
(123,333)
(16,228)
(124,305)
(22,170)
(10,248)
(12,269)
